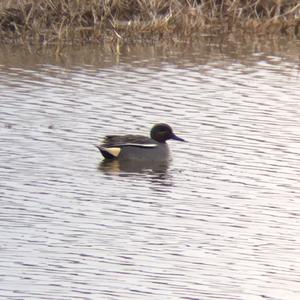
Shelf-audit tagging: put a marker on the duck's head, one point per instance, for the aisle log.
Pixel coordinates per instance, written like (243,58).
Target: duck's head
(162,132)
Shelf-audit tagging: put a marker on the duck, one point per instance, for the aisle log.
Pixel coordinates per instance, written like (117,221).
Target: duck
(138,147)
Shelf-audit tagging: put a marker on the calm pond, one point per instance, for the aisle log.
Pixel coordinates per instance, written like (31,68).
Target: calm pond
(219,221)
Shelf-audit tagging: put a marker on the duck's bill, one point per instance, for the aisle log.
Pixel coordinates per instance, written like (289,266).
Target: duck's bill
(177,138)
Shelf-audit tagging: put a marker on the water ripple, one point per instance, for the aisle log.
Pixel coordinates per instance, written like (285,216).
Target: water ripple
(221,221)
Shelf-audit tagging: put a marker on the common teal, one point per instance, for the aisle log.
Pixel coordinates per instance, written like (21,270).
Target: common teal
(139,147)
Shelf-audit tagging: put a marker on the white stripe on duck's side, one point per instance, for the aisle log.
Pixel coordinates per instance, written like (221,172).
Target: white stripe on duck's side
(139,145)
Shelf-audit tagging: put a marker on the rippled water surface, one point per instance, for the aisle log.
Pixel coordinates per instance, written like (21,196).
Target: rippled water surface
(220,221)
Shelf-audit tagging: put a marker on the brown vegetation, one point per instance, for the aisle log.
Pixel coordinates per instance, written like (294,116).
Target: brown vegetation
(75,21)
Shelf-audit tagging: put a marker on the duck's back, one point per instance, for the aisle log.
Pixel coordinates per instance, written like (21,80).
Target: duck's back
(116,140)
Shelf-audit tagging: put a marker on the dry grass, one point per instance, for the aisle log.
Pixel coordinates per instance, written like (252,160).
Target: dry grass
(75,21)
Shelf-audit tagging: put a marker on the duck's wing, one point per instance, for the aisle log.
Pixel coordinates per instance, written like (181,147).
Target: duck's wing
(128,140)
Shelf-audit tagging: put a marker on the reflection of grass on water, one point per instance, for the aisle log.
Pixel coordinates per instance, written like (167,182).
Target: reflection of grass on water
(73,21)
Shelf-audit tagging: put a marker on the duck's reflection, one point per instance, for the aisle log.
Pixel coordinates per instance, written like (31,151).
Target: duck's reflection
(113,166)
(158,171)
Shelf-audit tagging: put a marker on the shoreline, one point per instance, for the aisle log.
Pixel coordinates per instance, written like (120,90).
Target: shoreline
(74,22)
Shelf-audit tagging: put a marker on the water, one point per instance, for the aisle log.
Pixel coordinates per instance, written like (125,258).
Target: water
(220,221)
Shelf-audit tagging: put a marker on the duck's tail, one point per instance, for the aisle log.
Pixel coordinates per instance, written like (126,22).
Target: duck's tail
(110,153)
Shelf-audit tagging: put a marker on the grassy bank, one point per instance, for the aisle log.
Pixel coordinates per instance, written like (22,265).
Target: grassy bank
(75,21)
